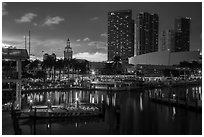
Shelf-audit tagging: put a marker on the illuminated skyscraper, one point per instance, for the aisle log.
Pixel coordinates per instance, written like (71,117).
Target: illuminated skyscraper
(68,51)
(147,26)
(182,34)
(120,34)
(167,40)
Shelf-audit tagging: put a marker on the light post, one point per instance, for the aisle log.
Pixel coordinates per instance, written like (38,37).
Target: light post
(49,104)
(93,72)
(77,102)
(31,104)
(9,85)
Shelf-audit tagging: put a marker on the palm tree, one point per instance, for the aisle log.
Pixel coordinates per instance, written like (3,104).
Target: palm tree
(46,65)
(49,63)
(75,66)
(34,64)
(60,66)
(107,70)
(25,64)
(84,67)
(53,60)
(117,65)
(67,65)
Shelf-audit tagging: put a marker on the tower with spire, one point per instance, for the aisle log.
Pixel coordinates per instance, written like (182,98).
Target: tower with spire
(68,51)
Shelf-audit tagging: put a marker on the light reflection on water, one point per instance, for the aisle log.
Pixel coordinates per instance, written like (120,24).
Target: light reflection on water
(127,112)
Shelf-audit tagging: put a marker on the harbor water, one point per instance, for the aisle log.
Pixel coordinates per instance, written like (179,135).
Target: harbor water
(126,113)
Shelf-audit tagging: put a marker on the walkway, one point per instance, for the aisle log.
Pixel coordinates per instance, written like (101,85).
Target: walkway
(7,124)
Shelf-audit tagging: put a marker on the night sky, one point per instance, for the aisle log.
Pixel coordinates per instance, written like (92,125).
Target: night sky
(85,24)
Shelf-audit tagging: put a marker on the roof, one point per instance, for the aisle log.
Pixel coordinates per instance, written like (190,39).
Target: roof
(15,54)
(165,58)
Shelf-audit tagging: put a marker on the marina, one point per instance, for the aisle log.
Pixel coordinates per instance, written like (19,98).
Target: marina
(101,68)
(116,108)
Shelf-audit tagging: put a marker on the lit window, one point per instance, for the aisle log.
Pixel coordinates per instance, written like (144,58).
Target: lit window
(112,13)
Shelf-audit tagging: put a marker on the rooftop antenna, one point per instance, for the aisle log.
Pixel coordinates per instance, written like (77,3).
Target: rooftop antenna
(25,41)
(29,42)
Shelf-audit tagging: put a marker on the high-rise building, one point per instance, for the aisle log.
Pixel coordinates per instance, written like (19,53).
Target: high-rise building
(120,34)
(167,40)
(68,51)
(182,34)
(147,27)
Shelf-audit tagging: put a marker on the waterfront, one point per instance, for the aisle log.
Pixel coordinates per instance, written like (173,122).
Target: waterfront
(126,112)
(89,68)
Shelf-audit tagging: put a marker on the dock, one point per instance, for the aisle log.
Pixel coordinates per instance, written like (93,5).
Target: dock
(57,111)
(194,105)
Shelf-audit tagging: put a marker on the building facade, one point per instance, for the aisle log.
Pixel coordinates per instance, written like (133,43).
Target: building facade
(165,58)
(167,40)
(68,50)
(11,75)
(120,34)
(147,27)
(182,34)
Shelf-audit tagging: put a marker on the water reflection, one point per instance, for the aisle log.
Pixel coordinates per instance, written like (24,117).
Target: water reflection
(141,107)
(125,112)
(174,113)
(187,93)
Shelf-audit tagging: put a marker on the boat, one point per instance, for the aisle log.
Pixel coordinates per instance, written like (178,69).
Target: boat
(62,112)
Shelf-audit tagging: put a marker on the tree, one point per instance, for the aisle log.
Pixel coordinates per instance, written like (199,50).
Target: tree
(107,70)
(117,65)
(175,73)
(60,66)
(67,66)
(49,63)
(34,64)
(84,67)
(167,72)
(40,75)
(185,64)
(196,65)
(26,75)
(76,66)
(25,64)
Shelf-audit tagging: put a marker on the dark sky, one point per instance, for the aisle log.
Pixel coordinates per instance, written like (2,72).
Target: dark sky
(85,24)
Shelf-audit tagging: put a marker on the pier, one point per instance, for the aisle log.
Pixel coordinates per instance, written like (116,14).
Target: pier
(171,99)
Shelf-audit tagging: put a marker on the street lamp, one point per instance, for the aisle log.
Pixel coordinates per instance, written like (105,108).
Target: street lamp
(49,103)
(93,72)
(31,103)
(77,102)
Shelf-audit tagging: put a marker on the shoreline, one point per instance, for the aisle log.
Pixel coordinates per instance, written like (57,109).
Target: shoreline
(129,88)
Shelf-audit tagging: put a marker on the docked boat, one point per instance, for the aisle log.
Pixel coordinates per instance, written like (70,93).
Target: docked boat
(62,112)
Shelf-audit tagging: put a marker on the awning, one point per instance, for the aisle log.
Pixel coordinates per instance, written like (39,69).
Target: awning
(16,54)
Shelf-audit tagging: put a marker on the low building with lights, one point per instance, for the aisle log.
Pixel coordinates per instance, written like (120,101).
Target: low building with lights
(163,63)
(13,74)
(96,67)
(165,58)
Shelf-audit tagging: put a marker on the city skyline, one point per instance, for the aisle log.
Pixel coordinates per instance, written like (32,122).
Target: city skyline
(85,24)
